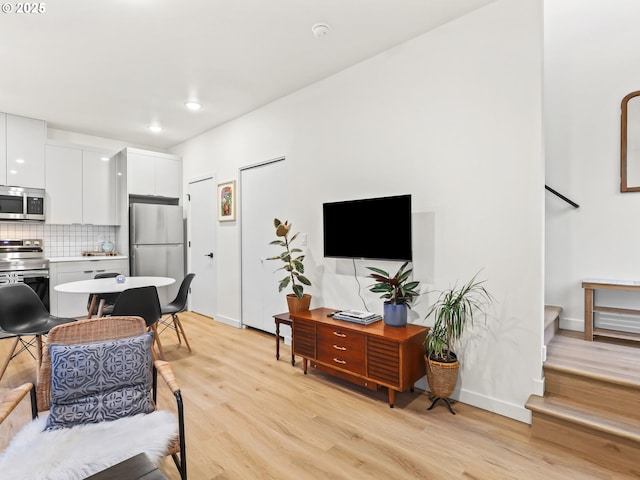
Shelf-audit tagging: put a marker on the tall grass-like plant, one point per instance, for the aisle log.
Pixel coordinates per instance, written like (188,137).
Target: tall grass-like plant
(453,309)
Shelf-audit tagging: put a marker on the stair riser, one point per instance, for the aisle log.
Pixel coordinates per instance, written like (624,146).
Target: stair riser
(550,331)
(603,395)
(618,454)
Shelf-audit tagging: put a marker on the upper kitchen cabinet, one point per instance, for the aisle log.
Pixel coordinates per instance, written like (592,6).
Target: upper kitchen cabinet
(98,188)
(80,185)
(63,185)
(22,141)
(3,148)
(153,173)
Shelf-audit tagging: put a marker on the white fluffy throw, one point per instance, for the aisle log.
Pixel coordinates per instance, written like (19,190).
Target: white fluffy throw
(75,453)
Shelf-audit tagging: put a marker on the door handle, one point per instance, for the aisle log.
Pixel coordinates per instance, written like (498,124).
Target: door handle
(210,255)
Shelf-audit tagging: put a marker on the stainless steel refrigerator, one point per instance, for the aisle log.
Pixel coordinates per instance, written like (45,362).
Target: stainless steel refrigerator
(157,244)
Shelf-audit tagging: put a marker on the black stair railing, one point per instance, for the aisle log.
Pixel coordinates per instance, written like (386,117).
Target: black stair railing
(557,194)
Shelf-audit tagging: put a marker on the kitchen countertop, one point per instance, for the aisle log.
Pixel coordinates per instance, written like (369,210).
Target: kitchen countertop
(84,258)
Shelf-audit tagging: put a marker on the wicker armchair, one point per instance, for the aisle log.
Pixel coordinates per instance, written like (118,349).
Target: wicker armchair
(86,331)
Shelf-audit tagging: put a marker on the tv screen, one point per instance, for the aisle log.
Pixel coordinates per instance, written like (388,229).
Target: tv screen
(373,228)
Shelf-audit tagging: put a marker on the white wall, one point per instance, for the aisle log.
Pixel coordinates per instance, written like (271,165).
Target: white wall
(590,65)
(452,117)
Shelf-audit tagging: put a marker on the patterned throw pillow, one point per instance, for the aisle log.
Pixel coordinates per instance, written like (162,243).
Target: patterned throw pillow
(100,381)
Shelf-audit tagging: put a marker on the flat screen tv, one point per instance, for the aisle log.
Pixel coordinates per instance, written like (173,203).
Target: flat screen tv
(372,228)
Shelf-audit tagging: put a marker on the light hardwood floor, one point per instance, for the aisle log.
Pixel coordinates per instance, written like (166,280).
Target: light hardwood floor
(252,417)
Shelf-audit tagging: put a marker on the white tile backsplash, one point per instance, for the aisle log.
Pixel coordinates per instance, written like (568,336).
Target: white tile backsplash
(61,240)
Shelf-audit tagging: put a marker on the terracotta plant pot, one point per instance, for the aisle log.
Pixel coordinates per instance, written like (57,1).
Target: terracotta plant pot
(298,304)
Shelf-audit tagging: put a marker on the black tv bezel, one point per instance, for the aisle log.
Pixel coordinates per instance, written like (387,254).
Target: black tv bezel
(393,258)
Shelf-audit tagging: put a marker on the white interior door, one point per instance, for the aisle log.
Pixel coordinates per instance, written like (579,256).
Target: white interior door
(201,246)
(263,199)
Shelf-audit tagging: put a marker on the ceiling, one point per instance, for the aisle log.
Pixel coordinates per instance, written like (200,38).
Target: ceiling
(110,68)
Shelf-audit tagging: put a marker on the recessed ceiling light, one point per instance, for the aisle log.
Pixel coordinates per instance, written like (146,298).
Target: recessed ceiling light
(320,29)
(155,128)
(104,159)
(19,160)
(191,105)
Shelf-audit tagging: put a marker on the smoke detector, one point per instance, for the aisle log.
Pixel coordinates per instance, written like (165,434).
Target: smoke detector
(320,29)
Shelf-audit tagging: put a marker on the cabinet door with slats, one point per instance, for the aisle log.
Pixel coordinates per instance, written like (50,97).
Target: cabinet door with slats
(304,338)
(383,360)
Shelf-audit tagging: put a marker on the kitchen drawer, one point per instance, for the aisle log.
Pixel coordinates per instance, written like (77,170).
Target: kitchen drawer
(342,348)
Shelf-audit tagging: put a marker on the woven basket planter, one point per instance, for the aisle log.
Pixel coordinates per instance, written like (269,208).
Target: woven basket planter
(442,377)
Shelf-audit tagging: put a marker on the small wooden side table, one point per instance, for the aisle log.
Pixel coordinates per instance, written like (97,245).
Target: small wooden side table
(283,318)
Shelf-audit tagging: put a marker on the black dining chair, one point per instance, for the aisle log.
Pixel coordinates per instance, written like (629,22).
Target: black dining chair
(141,302)
(22,314)
(104,301)
(176,306)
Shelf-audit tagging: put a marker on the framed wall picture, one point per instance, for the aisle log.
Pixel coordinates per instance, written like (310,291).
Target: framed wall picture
(227,201)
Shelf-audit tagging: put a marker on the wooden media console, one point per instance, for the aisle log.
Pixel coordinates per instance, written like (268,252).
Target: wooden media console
(369,355)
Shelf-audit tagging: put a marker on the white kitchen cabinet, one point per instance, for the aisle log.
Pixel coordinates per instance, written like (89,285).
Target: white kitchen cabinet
(69,305)
(63,201)
(3,148)
(80,185)
(168,177)
(153,173)
(141,174)
(98,188)
(25,151)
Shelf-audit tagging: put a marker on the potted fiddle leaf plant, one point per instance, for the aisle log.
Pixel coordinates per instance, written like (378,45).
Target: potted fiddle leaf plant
(298,301)
(454,309)
(397,291)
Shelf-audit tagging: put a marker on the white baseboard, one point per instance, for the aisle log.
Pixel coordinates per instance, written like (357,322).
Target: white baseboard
(574,324)
(500,407)
(538,387)
(228,321)
(506,409)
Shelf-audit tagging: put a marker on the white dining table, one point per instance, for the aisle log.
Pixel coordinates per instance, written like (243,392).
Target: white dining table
(110,285)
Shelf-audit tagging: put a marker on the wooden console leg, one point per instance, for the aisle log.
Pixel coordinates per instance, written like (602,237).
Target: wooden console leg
(392,397)
(588,314)
(277,340)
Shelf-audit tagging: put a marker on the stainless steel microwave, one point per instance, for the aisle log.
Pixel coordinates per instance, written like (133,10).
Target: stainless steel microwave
(17,203)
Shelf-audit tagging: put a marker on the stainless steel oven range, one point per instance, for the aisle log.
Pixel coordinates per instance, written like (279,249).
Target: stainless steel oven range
(22,261)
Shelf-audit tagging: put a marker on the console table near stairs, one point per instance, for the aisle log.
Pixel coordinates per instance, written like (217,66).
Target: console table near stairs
(590,308)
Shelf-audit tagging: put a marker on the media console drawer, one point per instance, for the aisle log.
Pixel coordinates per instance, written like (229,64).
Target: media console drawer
(341,348)
(368,355)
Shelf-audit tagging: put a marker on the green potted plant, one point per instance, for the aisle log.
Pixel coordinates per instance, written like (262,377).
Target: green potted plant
(297,301)
(452,311)
(397,291)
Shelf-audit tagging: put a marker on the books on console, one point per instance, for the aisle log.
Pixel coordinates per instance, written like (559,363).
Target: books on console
(357,316)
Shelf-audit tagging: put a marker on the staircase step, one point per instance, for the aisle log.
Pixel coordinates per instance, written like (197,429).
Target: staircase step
(602,376)
(605,438)
(551,322)
(574,412)
(598,360)
(551,313)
